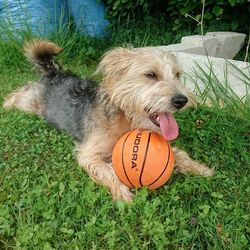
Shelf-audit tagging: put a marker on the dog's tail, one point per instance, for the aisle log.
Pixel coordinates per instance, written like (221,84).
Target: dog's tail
(40,53)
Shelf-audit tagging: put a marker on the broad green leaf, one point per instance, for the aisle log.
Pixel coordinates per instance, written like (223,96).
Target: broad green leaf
(232,2)
(217,11)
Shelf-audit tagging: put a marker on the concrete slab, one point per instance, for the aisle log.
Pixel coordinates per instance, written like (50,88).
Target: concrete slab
(229,43)
(193,49)
(210,43)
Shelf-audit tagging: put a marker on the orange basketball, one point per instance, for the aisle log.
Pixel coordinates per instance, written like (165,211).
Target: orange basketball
(143,158)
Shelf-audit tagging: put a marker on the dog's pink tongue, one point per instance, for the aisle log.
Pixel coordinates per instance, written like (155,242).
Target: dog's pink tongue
(169,126)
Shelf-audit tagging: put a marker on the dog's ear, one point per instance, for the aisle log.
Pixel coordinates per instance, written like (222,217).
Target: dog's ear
(115,62)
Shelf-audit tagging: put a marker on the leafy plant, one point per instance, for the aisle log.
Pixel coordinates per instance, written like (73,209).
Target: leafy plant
(219,14)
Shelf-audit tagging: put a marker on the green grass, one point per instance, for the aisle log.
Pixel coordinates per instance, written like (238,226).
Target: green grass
(48,202)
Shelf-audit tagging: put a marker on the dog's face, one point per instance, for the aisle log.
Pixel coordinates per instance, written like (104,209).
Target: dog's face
(145,84)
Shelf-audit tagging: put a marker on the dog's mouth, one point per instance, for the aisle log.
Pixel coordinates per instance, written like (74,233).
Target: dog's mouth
(167,123)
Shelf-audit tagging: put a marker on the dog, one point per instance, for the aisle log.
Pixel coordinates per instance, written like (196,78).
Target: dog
(140,88)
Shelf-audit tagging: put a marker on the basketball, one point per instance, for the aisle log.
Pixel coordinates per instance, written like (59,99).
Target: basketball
(143,158)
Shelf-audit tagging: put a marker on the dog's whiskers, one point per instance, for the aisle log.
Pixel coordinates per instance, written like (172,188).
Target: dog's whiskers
(146,109)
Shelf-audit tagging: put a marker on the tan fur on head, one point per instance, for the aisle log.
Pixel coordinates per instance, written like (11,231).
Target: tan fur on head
(135,79)
(115,62)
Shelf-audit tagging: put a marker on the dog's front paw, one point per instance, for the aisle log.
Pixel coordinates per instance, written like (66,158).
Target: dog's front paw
(203,170)
(122,192)
(208,172)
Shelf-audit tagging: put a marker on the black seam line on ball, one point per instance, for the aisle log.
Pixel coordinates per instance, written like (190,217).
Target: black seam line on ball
(144,161)
(164,168)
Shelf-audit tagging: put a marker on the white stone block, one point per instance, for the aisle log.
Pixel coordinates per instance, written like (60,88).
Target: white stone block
(193,49)
(229,43)
(188,63)
(209,43)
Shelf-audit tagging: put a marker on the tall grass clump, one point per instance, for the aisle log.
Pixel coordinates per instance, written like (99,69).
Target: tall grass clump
(217,92)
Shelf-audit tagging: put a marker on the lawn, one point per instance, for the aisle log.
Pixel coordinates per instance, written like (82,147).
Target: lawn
(48,202)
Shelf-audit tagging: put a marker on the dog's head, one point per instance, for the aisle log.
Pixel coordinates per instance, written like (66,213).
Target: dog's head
(145,84)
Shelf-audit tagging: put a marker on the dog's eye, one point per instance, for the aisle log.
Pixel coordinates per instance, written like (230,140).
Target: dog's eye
(178,75)
(151,75)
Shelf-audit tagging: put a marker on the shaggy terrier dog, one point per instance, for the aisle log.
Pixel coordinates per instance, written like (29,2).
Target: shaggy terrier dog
(140,88)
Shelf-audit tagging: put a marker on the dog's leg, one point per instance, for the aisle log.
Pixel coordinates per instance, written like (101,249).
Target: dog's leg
(185,164)
(91,157)
(28,98)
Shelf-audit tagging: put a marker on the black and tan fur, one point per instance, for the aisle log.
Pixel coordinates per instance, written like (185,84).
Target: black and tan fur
(97,115)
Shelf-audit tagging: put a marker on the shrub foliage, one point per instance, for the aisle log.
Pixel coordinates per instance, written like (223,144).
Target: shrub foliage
(219,14)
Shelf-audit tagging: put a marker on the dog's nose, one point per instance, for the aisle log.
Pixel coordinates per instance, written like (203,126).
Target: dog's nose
(179,101)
